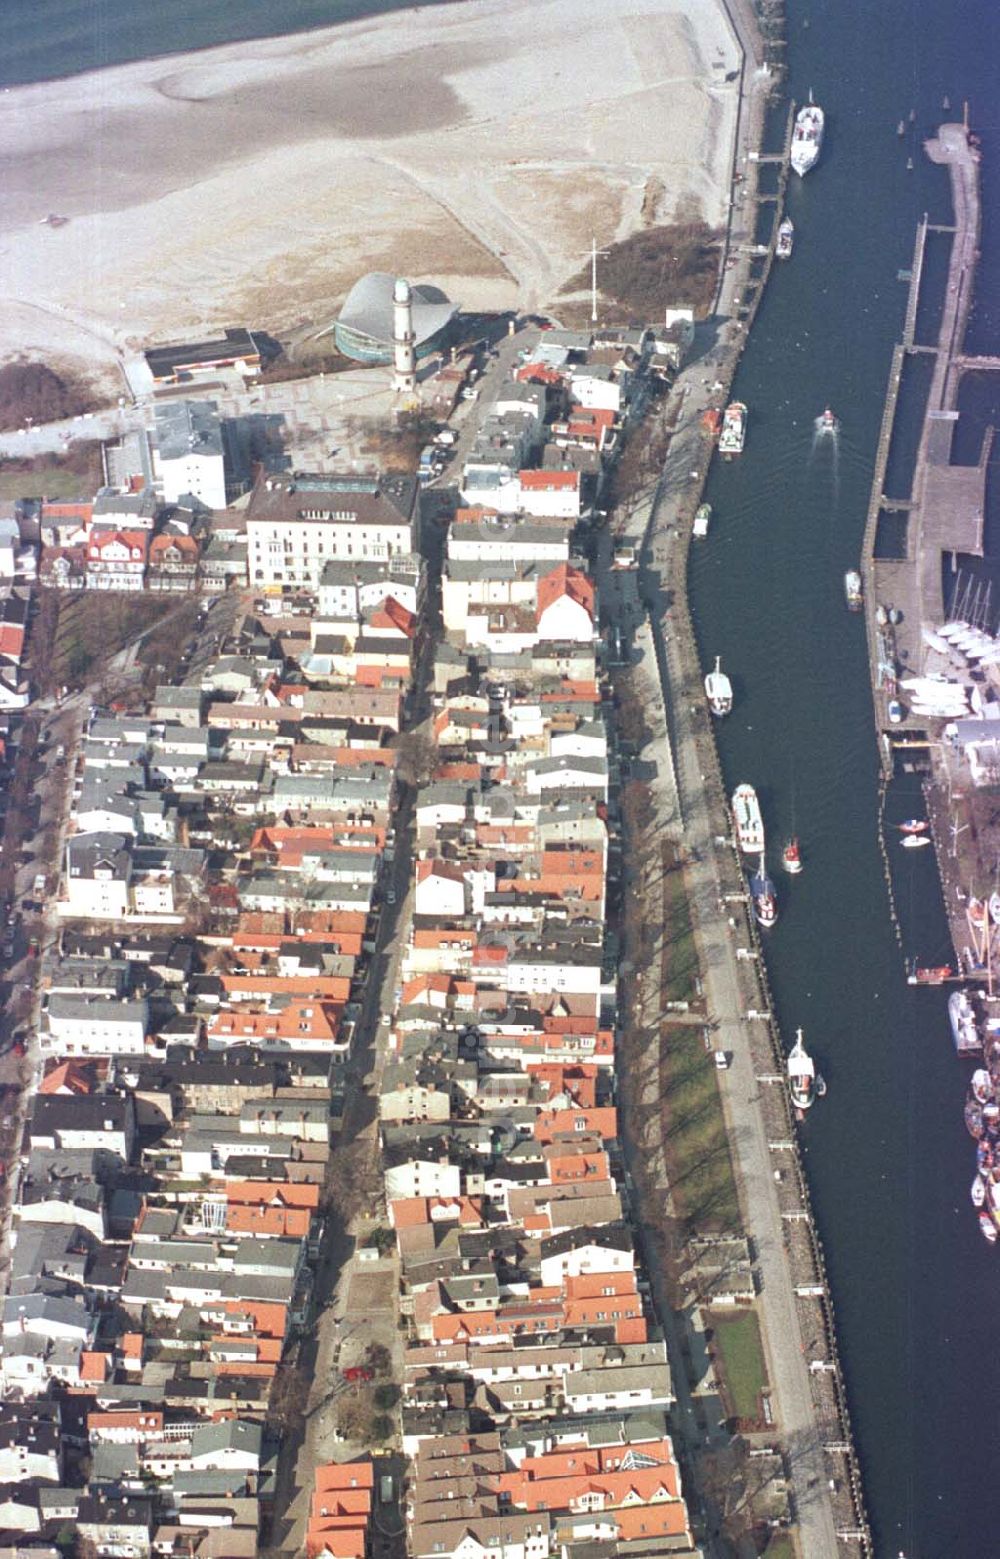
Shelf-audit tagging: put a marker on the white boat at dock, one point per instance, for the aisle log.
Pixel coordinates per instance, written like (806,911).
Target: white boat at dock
(785,241)
(804,1083)
(719,690)
(748,821)
(962,1017)
(807,137)
(702,519)
(734,429)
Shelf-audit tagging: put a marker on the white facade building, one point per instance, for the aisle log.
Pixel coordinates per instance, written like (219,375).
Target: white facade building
(295,526)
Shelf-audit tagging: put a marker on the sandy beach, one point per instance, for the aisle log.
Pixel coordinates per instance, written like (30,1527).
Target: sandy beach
(477,146)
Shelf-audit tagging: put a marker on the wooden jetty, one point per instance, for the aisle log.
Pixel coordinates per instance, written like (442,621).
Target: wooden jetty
(945,510)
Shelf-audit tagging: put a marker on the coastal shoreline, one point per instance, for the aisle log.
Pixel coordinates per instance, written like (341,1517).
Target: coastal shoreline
(255,182)
(191,51)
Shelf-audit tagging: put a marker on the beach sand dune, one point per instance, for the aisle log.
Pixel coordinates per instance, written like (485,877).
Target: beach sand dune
(479,146)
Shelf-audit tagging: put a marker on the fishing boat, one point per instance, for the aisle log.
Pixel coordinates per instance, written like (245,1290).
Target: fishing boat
(719,690)
(765,900)
(734,429)
(807,137)
(853,590)
(801,1075)
(962,1017)
(987,1228)
(786,238)
(702,516)
(978,1192)
(791,857)
(914,841)
(826,422)
(914,825)
(748,821)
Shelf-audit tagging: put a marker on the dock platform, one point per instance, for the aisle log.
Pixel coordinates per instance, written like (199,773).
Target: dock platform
(945,510)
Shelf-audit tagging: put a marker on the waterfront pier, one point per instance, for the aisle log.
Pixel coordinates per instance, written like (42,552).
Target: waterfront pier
(944,512)
(794,1307)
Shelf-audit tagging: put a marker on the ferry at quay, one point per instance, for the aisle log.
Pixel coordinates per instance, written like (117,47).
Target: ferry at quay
(748,821)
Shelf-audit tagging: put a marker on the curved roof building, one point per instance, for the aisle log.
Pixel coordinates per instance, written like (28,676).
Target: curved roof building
(364,329)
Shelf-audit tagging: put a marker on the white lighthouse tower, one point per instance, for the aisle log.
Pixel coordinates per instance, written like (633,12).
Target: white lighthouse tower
(404,355)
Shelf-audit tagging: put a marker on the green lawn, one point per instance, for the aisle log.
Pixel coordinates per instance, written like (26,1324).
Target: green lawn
(741,1357)
(700,1168)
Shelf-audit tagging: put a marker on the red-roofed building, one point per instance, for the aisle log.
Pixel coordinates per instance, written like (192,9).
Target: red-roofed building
(340,1511)
(550,494)
(565,609)
(116,559)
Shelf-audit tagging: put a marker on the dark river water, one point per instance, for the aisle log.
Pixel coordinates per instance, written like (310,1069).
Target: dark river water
(916,1289)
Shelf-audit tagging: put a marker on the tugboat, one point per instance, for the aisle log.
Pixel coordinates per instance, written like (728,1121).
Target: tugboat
(803,1084)
(791,857)
(786,238)
(749,824)
(765,900)
(719,690)
(853,590)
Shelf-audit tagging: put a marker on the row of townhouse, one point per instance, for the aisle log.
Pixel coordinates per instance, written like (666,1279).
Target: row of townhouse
(536,1385)
(169,1204)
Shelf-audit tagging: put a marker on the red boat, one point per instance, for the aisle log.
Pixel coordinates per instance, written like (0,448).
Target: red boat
(791,857)
(931,976)
(914,825)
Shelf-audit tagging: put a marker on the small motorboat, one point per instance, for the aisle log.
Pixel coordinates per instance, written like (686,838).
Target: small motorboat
(896,712)
(984,1156)
(973,1115)
(820,1086)
(982,1085)
(826,422)
(791,857)
(914,841)
(978,1192)
(765,902)
(901,127)
(987,1228)
(914,825)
